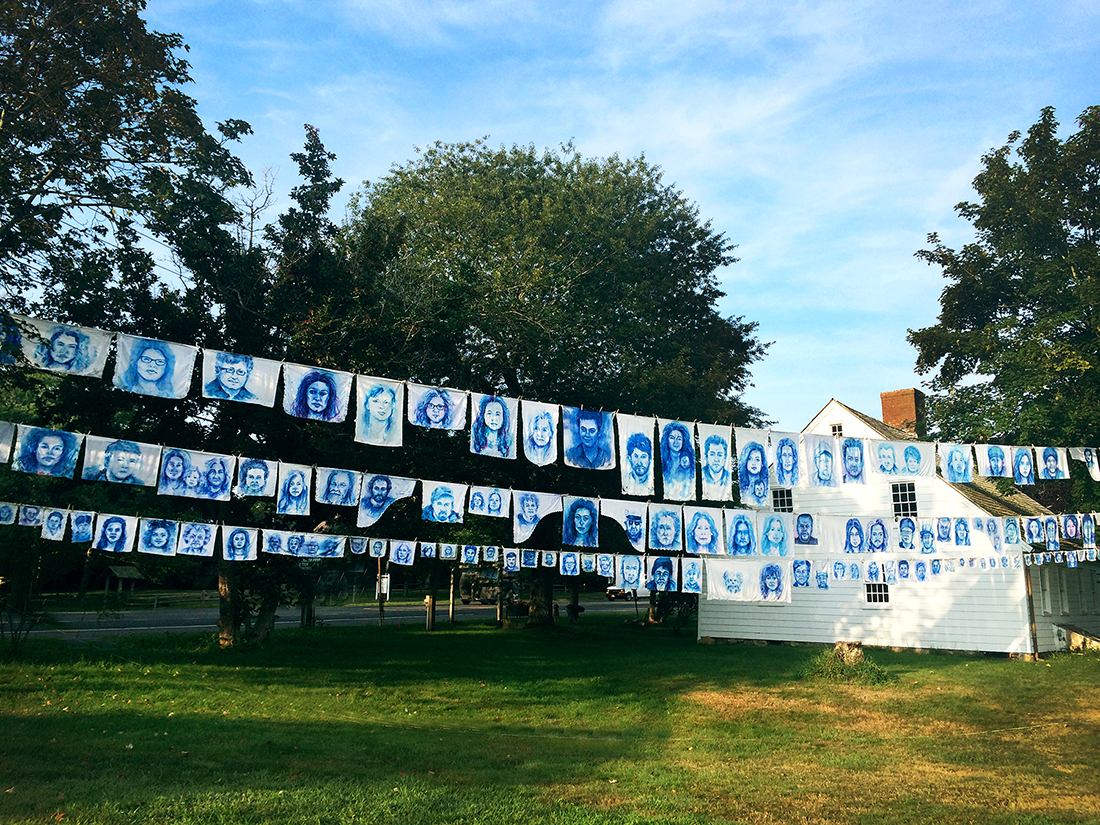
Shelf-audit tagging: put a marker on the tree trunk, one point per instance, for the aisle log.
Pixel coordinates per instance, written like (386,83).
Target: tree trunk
(86,575)
(433,585)
(654,614)
(542,600)
(228,596)
(265,616)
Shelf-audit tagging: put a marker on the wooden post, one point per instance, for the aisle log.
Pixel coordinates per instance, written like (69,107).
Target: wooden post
(451,611)
(381,597)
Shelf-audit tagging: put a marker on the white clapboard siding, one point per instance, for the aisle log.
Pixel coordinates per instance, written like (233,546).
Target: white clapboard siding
(970,609)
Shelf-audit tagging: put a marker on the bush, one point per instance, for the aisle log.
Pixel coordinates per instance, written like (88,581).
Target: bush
(830,666)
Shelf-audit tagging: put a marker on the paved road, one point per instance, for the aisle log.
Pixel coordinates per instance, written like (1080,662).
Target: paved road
(77,626)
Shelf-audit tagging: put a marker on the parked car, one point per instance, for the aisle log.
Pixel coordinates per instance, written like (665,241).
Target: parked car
(615,592)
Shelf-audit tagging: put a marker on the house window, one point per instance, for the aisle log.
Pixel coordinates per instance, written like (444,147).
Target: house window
(877,595)
(782,501)
(904,494)
(1044,589)
(838,430)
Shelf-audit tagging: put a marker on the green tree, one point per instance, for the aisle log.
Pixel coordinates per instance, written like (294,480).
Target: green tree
(1013,357)
(551,276)
(93,126)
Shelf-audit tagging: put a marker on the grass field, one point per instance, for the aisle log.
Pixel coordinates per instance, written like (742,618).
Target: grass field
(599,722)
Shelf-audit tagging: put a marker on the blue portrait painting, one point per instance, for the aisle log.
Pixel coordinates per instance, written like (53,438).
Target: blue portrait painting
(580,524)
(587,435)
(540,432)
(677,460)
(46,452)
(65,348)
(715,461)
(230,376)
(316,394)
(493,431)
(148,366)
(437,408)
(381,406)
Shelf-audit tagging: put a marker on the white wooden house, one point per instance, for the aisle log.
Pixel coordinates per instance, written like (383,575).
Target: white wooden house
(1016,610)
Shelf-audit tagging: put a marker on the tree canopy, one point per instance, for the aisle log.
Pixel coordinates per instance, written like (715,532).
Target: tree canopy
(1015,353)
(551,276)
(93,126)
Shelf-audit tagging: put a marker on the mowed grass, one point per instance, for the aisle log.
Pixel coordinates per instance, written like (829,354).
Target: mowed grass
(599,722)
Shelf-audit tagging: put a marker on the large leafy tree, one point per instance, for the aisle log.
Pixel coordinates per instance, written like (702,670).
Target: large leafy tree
(552,276)
(1014,355)
(1015,351)
(94,127)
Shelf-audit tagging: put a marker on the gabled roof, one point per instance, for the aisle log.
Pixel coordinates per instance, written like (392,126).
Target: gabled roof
(981,492)
(887,432)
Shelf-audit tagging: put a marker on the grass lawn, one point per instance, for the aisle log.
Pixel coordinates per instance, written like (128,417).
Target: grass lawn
(593,723)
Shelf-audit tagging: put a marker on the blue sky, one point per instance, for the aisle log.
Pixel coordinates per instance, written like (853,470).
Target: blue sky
(826,139)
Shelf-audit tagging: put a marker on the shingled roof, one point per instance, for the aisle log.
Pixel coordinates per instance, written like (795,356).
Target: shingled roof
(982,492)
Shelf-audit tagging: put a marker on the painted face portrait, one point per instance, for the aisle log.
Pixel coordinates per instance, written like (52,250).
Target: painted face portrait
(943,529)
(877,537)
(122,464)
(443,507)
(122,461)
(823,464)
(254,476)
(493,431)
(771,582)
(661,577)
(630,572)
(151,367)
(962,533)
(997,466)
(293,496)
(46,452)
(804,527)
(542,431)
(801,569)
(753,475)
(716,454)
(912,460)
(927,540)
(238,546)
(887,459)
(957,465)
(742,536)
(640,461)
(906,529)
(702,531)
(773,537)
(852,451)
(853,532)
(380,405)
(316,395)
(1022,468)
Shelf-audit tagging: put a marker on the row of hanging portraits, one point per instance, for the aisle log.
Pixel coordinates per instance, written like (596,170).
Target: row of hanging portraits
(686,456)
(653,525)
(726,580)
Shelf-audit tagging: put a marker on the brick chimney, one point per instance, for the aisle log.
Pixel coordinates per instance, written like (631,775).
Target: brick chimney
(904,409)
